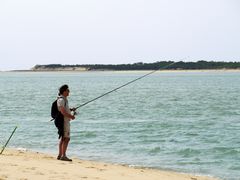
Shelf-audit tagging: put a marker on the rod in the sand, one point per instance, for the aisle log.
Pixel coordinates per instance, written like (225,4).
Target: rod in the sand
(161,68)
(8,140)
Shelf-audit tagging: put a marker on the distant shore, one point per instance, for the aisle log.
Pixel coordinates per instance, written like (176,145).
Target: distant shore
(139,66)
(165,70)
(23,164)
(170,65)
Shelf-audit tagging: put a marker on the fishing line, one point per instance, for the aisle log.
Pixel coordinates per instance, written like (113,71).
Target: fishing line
(161,68)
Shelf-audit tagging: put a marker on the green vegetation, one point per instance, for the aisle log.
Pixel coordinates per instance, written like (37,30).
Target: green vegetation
(145,66)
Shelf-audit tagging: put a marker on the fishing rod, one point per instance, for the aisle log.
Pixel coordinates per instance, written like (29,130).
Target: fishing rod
(161,68)
(8,140)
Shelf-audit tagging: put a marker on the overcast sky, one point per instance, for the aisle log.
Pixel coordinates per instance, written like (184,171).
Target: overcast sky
(115,32)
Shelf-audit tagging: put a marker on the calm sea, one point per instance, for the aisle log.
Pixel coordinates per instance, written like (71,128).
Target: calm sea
(182,121)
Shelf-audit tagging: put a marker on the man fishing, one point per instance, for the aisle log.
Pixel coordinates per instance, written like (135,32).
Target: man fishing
(63,108)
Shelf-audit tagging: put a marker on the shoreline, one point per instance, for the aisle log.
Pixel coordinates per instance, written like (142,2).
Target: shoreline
(26,164)
(123,71)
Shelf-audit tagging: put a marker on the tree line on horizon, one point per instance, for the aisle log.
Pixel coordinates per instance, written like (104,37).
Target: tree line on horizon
(148,66)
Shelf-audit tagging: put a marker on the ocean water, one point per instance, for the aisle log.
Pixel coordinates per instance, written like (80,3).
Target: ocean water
(182,121)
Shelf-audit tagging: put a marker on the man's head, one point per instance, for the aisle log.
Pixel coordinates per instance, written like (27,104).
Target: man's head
(63,90)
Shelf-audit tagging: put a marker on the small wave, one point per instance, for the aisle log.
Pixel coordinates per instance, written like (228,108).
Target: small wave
(188,152)
(227,151)
(236,168)
(85,134)
(155,150)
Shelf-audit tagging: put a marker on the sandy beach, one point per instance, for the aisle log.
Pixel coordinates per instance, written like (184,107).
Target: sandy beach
(23,165)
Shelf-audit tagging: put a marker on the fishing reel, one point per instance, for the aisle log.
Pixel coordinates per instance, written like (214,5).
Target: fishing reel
(74,111)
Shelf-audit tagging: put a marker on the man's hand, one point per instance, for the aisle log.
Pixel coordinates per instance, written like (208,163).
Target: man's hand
(72,117)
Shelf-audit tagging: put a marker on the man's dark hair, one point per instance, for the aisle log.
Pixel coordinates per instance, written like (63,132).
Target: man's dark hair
(62,89)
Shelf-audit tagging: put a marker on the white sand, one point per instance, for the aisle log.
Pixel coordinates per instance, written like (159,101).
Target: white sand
(23,165)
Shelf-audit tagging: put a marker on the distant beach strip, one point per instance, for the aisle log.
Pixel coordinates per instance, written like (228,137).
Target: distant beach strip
(199,65)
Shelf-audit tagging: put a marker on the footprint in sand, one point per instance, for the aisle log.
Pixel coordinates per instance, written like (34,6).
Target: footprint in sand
(39,173)
(100,169)
(91,167)
(32,168)
(3,177)
(11,164)
(192,178)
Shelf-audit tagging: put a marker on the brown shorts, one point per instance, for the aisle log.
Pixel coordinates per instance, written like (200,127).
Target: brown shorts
(66,133)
